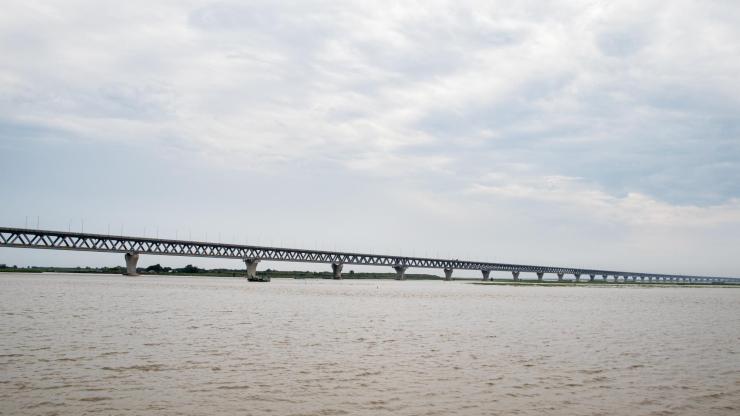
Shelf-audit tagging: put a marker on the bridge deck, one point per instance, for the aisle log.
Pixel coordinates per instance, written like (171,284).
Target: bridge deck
(61,240)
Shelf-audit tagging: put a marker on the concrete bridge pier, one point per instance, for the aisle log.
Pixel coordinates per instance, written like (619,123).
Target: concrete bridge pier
(400,271)
(578,277)
(539,276)
(251,264)
(515,275)
(336,270)
(560,277)
(604,277)
(634,278)
(486,274)
(642,279)
(616,278)
(131,260)
(591,277)
(448,274)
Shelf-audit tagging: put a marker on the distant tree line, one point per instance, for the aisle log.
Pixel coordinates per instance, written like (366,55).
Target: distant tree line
(158,269)
(189,269)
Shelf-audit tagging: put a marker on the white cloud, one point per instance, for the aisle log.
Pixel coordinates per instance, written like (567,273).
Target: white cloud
(633,209)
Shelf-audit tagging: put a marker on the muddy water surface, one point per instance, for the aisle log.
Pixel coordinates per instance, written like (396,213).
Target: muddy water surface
(72,344)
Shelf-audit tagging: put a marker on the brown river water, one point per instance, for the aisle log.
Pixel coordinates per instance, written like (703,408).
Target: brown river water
(114,345)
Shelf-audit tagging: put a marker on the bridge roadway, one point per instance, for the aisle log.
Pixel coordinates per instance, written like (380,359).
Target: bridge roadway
(132,247)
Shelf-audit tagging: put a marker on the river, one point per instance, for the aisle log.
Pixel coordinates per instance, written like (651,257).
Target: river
(102,344)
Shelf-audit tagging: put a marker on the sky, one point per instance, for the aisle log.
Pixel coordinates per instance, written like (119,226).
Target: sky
(600,134)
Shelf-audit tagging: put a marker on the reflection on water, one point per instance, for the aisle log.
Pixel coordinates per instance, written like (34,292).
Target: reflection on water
(121,345)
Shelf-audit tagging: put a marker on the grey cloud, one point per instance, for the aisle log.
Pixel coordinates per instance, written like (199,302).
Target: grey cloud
(622,43)
(444,122)
(461,89)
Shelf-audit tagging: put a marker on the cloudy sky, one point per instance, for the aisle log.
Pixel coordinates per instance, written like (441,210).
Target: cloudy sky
(582,133)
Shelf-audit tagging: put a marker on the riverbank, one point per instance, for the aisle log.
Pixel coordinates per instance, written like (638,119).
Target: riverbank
(602,284)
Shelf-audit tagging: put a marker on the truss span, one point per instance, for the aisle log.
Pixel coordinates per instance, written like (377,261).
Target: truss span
(61,240)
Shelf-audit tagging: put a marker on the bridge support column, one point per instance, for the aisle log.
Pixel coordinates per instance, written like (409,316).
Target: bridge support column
(515,275)
(251,264)
(539,276)
(486,274)
(634,278)
(448,274)
(578,277)
(400,271)
(604,277)
(560,277)
(336,269)
(131,260)
(591,277)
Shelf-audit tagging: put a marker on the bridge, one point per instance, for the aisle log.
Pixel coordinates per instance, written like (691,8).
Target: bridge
(251,255)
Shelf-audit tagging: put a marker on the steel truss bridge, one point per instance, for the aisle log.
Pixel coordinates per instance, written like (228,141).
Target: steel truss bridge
(131,247)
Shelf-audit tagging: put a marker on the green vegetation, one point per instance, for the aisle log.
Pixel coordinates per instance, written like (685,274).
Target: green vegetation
(509,282)
(190,270)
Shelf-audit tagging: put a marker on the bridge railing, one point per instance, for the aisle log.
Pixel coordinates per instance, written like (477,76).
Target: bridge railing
(63,240)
